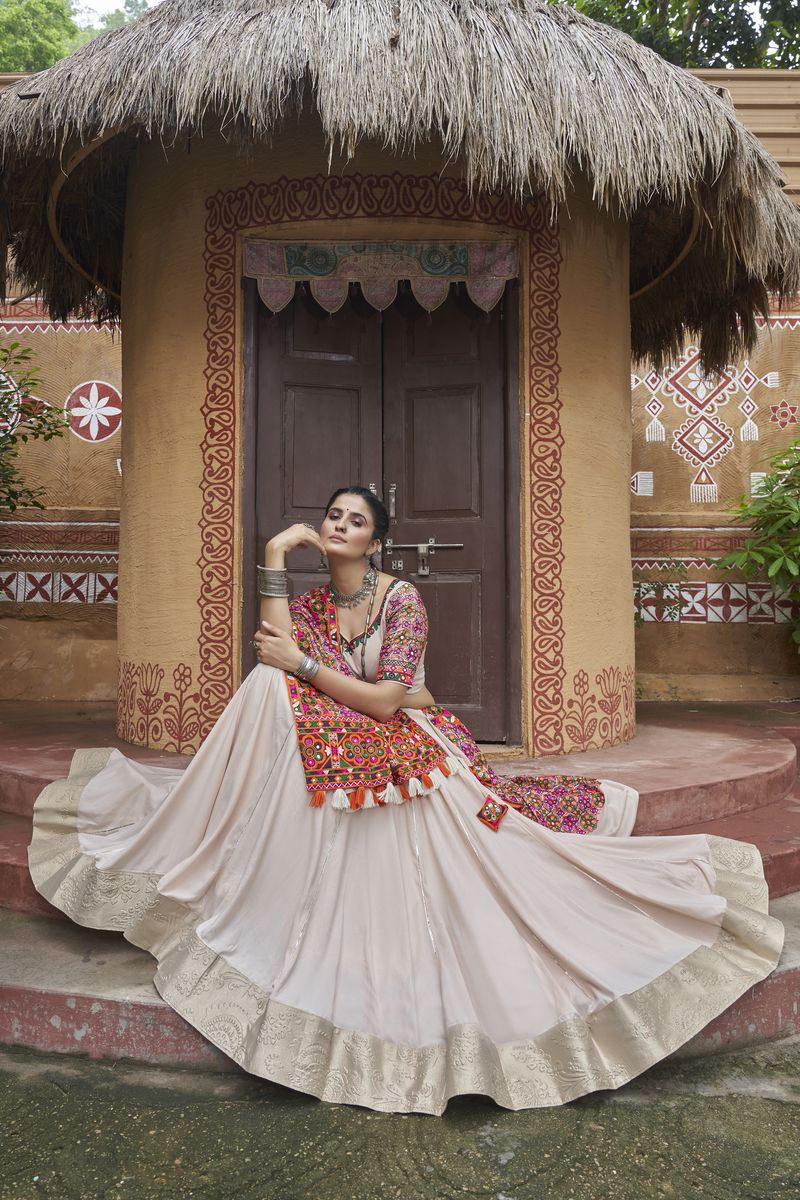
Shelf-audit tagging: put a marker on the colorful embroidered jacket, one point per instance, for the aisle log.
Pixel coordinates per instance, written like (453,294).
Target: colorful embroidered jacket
(358,762)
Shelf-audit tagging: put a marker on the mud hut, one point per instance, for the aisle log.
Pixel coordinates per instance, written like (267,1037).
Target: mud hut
(411,242)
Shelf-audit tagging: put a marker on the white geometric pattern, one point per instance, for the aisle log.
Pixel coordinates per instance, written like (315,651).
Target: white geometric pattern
(699,602)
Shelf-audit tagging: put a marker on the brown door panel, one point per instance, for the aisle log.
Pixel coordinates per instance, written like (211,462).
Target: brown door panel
(443,438)
(416,402)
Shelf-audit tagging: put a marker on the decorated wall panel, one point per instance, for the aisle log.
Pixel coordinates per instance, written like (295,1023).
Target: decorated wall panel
(59,565)
(699,444)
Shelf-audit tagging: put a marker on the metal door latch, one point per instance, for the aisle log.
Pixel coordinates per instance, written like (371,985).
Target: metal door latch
(424,550)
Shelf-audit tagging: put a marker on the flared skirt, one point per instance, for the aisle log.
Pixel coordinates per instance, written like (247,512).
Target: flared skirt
(397,956)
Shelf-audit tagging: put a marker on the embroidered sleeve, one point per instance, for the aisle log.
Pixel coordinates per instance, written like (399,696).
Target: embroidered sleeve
(405,635)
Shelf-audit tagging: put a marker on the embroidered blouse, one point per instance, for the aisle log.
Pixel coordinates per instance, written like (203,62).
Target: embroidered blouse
(395,641)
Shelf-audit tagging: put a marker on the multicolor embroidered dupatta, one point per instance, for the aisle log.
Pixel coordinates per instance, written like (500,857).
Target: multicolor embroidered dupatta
(358,762)
(348,757)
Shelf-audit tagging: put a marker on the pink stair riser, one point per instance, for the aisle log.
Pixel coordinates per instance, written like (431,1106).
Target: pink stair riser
(64,1023)
(766,1012)
(662,811)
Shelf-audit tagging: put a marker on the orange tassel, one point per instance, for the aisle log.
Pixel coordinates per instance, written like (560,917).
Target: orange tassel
(358,797)
(427,781)
(404,792)
(317,799)
(443,767)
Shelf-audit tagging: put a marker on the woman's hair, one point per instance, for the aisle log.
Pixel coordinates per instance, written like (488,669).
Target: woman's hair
(380,517)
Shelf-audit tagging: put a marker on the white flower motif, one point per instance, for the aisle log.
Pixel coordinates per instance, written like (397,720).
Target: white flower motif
(94,411)
(704,437)
(699,383)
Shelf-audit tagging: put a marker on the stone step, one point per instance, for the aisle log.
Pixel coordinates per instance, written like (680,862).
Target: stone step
(685,774)
(687,766)
(775,829)
(16,886)
(69,990)
(37,741)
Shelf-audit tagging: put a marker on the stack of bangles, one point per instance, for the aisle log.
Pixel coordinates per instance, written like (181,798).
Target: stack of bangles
(274,581)
(307,669)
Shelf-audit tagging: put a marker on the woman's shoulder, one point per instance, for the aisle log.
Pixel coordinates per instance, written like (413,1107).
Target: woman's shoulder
(401,589)
(402,597)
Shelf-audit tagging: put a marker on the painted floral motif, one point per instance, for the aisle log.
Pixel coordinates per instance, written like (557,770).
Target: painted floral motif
(148,716)
(783,414)
(94,410)
(594,721)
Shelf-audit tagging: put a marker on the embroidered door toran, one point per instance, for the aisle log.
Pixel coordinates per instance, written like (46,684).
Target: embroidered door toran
(412,402)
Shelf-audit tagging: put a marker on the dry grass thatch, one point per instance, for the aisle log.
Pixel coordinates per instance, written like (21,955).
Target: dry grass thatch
(525,94)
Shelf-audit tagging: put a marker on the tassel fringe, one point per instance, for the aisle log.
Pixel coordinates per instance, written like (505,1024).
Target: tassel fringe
(393,793)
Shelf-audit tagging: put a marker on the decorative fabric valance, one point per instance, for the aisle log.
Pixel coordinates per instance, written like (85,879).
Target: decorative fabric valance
(330,267)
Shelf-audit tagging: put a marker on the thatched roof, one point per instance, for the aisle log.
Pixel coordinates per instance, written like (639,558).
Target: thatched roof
(523,93)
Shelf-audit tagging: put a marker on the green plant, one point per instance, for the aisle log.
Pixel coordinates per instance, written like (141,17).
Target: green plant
(772,513)
(23,417)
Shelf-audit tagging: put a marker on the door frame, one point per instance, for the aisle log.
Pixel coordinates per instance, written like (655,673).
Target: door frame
(514,414)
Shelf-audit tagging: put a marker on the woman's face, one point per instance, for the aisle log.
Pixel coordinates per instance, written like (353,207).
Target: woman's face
(346,531)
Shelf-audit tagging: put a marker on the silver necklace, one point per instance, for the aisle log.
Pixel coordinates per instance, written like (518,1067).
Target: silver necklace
(345,600)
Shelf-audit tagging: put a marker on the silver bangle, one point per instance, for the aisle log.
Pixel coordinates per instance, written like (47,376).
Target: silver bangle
(308,668)
(273,581)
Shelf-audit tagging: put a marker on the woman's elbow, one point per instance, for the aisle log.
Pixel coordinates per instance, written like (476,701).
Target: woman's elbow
(387,707)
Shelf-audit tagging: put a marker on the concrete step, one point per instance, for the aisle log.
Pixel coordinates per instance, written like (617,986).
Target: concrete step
(16,886)
(775,829)
(37,741)
(69,990)
(684,774)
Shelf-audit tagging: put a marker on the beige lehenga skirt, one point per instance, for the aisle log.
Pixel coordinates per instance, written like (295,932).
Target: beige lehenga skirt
(397,956)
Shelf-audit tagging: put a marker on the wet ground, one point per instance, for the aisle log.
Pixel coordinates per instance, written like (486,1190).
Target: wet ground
(719,1128)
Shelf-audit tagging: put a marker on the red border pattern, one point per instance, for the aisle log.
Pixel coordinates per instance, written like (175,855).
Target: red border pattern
(261,205)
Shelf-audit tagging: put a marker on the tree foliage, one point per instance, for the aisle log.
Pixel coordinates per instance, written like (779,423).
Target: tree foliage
(23,417)
(772,516)
(130,11)
(708,33)
(34,33)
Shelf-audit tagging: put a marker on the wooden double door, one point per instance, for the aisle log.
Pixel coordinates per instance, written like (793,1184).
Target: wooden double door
(412,405)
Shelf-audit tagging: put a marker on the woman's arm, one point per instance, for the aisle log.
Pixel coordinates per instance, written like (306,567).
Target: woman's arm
(275,609)
(377,700)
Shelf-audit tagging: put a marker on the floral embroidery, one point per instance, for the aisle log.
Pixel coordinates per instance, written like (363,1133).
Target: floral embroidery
(563,803)
(405,636)
(361,761)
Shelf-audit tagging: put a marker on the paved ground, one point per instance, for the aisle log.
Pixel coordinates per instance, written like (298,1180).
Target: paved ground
(724,1128)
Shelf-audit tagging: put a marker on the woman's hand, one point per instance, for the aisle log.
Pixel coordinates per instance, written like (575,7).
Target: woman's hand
(292,538)
(276,648)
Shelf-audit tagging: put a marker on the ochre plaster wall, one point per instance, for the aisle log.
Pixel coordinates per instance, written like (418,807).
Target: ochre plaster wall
(699,444)
(594,387)
(166,601)
(58,565)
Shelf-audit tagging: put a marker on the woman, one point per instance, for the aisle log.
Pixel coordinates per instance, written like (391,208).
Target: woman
(344,897)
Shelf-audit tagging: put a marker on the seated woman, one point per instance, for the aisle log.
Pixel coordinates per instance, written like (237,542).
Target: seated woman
(343,896)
